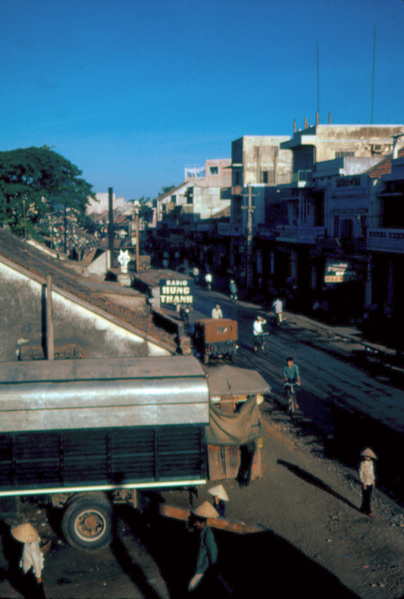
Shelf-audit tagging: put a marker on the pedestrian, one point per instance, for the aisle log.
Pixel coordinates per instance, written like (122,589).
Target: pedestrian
(32,560)
(368,479)
(217,312)
(258,331)
(207,552)
(219,498)
(291,375)
(277,307)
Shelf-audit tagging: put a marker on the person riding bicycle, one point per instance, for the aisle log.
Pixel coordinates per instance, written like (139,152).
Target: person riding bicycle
(258,331)
(291,375)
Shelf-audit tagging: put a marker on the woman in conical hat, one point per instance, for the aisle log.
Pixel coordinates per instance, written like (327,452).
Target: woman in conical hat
(368,479)
(219,498)
(32,559)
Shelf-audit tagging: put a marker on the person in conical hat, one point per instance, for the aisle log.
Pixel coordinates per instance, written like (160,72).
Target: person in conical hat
(25,533)
(32,560)
(368,479)
(207,552)
(368,453)
(219,498)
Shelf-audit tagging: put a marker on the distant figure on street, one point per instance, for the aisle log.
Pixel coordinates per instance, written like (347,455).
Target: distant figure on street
(368,479)
(32,560)
(217,312)
(233,289)
(291,375)
(258,331)
(277,307)
(208,280)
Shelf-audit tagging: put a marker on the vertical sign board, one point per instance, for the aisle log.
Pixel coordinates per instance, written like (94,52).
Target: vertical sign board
(176,291)
(340,272)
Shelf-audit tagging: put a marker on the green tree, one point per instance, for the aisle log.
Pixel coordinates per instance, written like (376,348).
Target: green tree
(33,181)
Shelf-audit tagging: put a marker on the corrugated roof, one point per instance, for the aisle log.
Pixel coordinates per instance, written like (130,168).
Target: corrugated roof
(33,262)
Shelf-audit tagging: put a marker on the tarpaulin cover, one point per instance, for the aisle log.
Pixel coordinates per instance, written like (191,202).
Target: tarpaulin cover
(234,429)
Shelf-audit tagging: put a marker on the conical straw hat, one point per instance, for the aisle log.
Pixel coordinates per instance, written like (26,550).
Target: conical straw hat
(25,533)
(368,453)
(220,492)
(206,510)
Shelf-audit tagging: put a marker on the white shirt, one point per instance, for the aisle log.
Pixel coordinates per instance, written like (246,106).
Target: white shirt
(32,556)
(278,306)
(367,472)
(257,327)
(217,313)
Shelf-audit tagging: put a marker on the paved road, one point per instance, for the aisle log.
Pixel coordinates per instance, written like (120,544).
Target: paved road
(349,401)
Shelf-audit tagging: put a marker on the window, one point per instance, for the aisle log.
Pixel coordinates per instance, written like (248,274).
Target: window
(190,195)
(336,226)
(343,154)
(237,178)
(174,199)
(264,177)
(213,170)
(347,228)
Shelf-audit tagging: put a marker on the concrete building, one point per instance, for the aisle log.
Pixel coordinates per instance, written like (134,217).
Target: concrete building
(385,244)
(327,206)
(258,166)
(199,197)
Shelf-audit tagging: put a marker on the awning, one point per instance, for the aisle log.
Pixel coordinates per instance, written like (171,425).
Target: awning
(230,381)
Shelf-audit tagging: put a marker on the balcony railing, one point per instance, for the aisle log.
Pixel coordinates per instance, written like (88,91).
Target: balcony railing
(386,240)
(301,234)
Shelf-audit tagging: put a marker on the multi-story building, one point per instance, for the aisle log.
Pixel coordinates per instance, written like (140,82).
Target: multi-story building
(258,166)
(200,196)
(326,204)
(385,243)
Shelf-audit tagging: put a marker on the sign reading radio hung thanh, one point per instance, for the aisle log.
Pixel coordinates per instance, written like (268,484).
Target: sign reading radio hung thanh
(340,272)
(174,291)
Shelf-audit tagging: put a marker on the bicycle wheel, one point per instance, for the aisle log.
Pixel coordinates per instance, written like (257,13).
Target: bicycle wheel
(292,402)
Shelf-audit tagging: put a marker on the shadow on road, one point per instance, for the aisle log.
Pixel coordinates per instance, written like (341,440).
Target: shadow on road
(250,564)
(317,482)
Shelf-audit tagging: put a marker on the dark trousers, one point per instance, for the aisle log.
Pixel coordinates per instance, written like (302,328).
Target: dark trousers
(32,588)
(366,499)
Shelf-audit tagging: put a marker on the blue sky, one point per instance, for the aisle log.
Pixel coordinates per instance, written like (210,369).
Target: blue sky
(132,91)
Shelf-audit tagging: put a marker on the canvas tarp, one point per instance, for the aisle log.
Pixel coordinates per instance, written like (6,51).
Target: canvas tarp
(235,429)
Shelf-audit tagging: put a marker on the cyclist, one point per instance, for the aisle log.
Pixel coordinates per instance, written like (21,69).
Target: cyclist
(258,331)
(291,375)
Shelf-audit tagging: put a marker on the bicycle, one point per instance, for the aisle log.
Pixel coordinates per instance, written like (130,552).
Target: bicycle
(291,396)
(262,342)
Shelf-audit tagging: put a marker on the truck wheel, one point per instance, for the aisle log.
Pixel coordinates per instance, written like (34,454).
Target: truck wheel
(87,523)
(232,356)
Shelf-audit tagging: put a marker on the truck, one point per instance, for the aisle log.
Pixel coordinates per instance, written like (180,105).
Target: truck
(86,434)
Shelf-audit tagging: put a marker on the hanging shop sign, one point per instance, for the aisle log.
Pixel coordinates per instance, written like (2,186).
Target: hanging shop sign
(180,291)
(340,272)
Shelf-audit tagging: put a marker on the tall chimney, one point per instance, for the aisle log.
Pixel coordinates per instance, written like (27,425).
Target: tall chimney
(329,118)
(294,126)
(306,123)
(317,118)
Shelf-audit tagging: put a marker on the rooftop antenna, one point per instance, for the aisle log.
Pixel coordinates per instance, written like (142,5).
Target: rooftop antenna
(318,83)
(373,76)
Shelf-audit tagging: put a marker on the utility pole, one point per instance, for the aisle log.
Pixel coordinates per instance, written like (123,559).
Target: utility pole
(250,209)
(137,238)
(50,347)
(111,225)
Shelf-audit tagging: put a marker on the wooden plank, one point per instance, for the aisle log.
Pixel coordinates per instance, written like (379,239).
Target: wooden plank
(170,511)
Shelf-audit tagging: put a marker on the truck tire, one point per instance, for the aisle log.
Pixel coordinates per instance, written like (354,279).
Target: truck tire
(87,523)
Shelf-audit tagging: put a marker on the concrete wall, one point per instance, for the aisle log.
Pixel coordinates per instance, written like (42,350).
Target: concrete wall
(22,322)
(261,154)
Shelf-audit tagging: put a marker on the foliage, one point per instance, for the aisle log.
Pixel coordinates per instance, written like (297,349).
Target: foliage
(165,189)
(33,182)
